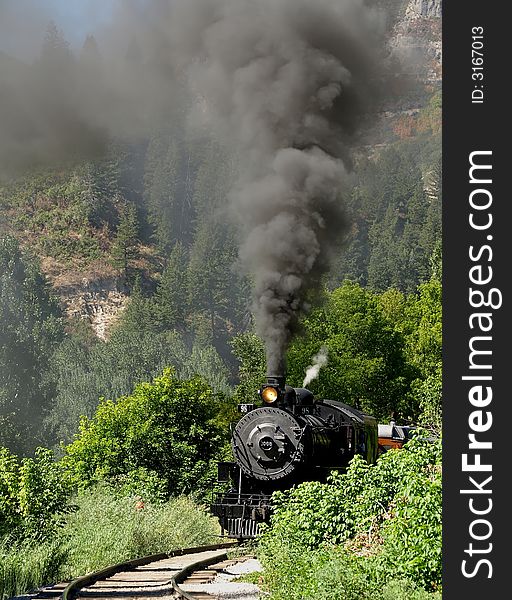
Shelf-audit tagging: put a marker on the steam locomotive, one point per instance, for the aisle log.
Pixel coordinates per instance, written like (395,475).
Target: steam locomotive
(291,437)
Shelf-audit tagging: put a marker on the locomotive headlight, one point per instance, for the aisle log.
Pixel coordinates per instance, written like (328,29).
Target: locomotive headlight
(269,395)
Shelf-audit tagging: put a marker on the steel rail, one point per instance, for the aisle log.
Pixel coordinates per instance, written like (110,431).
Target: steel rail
(188,570)
(73,588)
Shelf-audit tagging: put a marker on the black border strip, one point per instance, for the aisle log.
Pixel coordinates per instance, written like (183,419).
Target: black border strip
(470,126)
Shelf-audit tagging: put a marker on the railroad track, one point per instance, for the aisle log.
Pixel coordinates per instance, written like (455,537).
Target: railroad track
(180,574)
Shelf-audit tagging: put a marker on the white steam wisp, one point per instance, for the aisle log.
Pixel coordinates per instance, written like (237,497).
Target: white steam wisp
(319,361)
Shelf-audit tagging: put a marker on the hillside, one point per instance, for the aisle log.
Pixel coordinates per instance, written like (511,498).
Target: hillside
(202,197)
(140,250)
(69,218)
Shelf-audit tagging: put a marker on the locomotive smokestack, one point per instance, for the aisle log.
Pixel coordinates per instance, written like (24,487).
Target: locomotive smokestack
(276,380)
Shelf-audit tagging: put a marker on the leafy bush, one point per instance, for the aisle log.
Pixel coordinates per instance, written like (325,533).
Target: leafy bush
(428,393)
(166,427)
(404,589)
(140,482)
(9,488)
(33,494)
(412,537)
(294,573)
(331,573)
(367,527)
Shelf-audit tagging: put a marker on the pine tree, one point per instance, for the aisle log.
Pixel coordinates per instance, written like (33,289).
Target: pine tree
(30,330)
(90,53)
(56,70)
(161,190)
(169,182)
(91,80)
(172,295)
(55,48)
(215,288)
(125,247)
(139,313)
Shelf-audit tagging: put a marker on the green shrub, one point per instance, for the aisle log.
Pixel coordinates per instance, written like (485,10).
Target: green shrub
(141,482)
(9,488)
(363,529)
(167,427)
(33,494)
(412,537)
(355,501)
(404,589)
(292,572)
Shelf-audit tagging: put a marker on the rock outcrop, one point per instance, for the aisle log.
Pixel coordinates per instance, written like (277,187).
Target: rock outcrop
(431,9)
(416,39)
(99,302)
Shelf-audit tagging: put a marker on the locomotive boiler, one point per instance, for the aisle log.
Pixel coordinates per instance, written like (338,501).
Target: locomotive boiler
(287,438)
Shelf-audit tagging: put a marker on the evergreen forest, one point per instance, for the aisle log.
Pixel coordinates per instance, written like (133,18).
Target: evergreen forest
(91,424)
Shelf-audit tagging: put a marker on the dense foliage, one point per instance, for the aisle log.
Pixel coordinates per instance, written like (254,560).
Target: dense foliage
(118,491)
(86,369)
(152,220)
(30,330)
(395,209)
(167,428)
(373,526)
(366,365)
(33,494)
(384,352)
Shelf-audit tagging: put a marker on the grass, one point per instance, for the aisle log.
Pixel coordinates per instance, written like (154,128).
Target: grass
(27,565)
(104,529)
(255,577)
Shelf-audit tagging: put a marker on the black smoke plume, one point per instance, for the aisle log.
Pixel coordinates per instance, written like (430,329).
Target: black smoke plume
(60,103)
(286,84)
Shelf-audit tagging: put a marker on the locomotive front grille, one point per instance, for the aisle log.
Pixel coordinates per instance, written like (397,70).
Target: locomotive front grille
(242,528)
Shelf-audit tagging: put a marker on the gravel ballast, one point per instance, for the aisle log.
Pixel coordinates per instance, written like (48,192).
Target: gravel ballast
(224,588)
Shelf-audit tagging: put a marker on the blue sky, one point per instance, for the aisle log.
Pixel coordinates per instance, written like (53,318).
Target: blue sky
(78,17)
(23,22)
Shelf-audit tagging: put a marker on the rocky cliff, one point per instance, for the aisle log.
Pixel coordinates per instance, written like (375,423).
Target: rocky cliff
(99,302)
(416,38)
(430,9)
